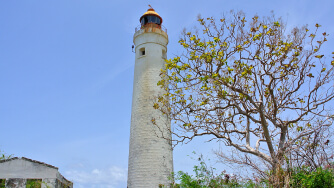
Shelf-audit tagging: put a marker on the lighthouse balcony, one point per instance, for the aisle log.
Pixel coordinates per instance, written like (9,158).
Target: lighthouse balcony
(151,27)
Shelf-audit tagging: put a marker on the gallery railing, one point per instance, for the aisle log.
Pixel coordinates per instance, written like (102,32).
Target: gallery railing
(150,25)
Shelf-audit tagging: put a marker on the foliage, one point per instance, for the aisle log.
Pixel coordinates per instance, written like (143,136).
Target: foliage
(298,178)
(34,183)
(252,85)
(302,177)
(3,156)
(206,178)
(2,183)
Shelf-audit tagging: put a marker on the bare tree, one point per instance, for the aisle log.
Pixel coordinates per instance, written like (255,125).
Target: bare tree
(314,151)
(251,84)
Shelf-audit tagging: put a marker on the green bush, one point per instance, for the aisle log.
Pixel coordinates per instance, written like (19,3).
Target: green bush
(205,178)
(302,177)
(2,183)
(305,177)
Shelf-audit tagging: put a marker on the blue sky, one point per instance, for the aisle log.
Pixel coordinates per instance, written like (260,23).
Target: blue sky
(66,74)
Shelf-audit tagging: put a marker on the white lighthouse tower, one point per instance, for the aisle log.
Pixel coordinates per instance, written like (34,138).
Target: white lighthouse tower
(150,155)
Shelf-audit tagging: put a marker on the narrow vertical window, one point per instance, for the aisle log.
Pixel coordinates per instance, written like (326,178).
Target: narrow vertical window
(142,51)
(164,54)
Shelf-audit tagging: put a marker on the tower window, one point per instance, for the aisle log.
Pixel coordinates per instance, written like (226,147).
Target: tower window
(142,51)
(164,54)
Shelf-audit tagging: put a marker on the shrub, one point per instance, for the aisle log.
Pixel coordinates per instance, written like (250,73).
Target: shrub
(302,177)
(205,177)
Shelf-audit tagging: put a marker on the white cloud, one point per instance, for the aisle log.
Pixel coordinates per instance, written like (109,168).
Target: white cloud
(109,178)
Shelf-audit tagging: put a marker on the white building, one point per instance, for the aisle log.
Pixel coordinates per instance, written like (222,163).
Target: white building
(150,155)
(23,172)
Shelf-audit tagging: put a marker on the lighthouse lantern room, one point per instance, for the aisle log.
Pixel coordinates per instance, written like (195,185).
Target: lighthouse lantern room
(150,17)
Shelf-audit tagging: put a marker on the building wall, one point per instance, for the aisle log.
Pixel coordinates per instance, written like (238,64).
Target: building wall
(45,183)
(15,183)
(49,183)
(20,168)
(16,172)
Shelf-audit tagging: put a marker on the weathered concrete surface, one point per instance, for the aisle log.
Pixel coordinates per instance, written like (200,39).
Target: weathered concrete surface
(49,182)
(21,168)
(16,171)
(150,156)
(16,183)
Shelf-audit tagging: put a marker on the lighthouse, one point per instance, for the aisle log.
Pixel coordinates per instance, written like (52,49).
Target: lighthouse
(150,151)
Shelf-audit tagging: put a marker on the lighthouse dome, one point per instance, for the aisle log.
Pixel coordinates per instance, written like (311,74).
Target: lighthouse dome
(150,16)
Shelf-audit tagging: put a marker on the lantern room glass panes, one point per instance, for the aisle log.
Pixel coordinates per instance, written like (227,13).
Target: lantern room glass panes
(150,19)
